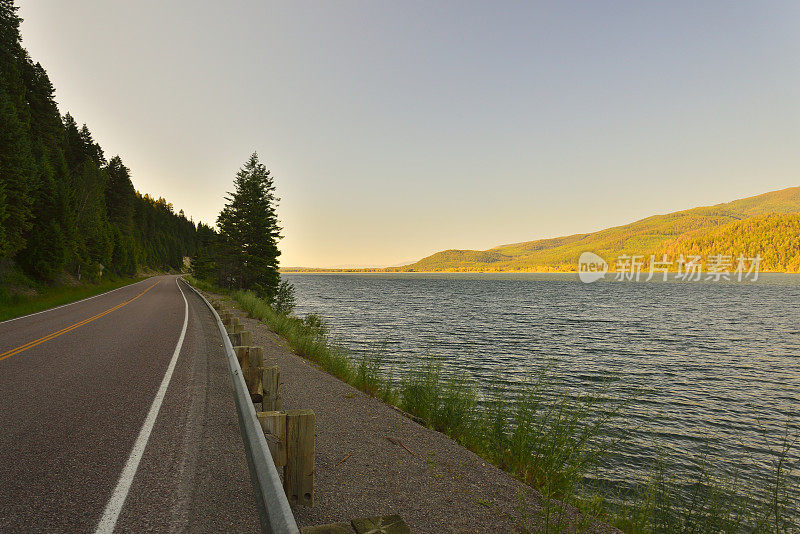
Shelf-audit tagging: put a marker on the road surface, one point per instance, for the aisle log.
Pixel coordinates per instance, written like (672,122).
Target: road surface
(117,415)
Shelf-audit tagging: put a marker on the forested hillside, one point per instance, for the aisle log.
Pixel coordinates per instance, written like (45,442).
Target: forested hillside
(775,238)
(765,224)
(65,207)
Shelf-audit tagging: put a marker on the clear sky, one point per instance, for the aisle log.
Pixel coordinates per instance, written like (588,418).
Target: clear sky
(397,129)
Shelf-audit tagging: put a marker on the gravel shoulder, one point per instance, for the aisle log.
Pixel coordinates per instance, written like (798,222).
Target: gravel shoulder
(373,460)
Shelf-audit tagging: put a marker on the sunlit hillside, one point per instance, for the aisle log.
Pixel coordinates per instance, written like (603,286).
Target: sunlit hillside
(766,224)
(775,238)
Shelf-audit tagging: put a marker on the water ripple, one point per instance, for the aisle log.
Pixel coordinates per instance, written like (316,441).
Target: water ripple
(715,365)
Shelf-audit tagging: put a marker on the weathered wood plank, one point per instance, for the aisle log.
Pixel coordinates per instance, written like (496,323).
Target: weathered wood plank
(249,356)
(270,388)
(273,424)
(252,377)
(298,475)
(232,324)
(243,355)
(235,328)
(243,338)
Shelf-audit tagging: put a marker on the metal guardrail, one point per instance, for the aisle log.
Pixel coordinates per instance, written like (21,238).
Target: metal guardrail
(274,511)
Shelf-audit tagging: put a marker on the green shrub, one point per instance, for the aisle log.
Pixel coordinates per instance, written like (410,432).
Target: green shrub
(420,392)
(315,323)
(284,298)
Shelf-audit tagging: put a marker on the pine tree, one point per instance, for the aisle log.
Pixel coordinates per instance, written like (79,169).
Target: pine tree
(204,265)
(4,244)
(47,243)
(15,180)
(45,254)
(16,161)
(120,198)
(249,232)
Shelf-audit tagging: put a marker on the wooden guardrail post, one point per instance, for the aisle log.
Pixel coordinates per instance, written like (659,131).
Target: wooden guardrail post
(249,356)
(232,325)
(298,475)
(225,316)
(270,388)
(252,377)
(251,360)
(243,338)
(273,423)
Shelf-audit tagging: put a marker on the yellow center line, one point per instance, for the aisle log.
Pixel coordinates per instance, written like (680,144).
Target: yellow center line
(48,337)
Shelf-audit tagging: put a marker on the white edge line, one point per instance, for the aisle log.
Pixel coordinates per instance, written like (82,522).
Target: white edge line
(76,302)
(117,500)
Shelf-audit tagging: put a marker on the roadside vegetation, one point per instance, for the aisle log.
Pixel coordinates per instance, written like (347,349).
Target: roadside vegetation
(551,438)
(40,297)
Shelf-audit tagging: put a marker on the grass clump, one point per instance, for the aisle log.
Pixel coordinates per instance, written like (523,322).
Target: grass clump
(549,437)
(669,504)
(306,337)
(201,284)
(449,405)
(708,499)
(370,377)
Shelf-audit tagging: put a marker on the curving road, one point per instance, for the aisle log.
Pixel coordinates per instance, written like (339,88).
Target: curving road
(117,415)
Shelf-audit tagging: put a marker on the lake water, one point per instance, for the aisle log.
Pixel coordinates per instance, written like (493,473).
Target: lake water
(713,365)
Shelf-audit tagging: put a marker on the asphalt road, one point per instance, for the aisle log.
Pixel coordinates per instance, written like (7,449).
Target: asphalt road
(117,414)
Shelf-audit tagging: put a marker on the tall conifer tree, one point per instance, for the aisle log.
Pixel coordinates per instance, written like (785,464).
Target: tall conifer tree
(249,232)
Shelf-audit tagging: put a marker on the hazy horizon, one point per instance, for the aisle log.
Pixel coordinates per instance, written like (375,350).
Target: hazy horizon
(398,130)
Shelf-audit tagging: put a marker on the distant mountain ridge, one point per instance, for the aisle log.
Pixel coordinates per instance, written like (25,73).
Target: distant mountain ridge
(766,224)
